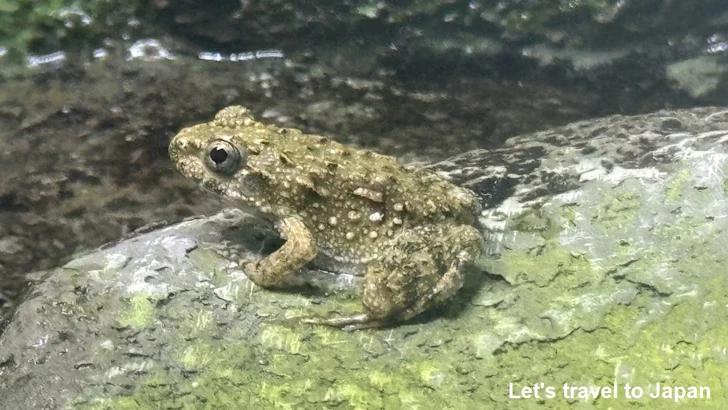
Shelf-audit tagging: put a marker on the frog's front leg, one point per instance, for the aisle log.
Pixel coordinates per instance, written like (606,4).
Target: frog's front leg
(276,270)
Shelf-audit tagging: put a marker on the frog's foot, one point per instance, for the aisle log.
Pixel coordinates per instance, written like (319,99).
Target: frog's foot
(347,323)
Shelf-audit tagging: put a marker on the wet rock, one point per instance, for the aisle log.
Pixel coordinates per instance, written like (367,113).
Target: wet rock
(605,264)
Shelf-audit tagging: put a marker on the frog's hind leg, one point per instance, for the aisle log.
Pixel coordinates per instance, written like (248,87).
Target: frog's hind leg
(446,287)
(443,289)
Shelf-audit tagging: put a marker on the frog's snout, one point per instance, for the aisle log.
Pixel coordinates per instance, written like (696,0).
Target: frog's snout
(177,148)
(182,151)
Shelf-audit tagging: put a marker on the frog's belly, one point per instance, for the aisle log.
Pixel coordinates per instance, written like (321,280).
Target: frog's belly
(340,264)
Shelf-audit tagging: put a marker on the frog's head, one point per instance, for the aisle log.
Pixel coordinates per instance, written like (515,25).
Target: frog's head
(220,158)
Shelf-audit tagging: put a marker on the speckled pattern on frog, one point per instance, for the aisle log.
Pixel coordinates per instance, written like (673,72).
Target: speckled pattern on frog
(408,231)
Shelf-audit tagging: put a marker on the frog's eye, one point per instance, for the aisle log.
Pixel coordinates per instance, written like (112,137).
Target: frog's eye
(223,157)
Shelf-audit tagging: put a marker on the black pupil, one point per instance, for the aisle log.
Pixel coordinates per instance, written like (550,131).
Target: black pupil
(218,155)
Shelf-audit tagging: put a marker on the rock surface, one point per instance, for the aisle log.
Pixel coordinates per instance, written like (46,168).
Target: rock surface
(606,264)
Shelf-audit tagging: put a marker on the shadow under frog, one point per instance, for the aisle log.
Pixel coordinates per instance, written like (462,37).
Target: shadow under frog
(410,234)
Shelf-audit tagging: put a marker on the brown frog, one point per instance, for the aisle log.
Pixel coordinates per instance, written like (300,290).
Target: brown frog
(409,232)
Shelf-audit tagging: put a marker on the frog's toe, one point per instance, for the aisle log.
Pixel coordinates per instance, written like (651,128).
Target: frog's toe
(360,326)
(348,323)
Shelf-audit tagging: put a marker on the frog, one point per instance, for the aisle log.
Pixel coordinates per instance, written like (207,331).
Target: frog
(408,232)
